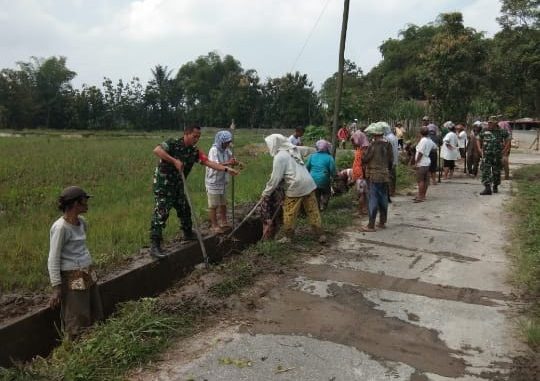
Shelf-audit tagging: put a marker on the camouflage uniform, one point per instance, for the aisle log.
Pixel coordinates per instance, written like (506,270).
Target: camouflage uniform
(169,189)
(492,146)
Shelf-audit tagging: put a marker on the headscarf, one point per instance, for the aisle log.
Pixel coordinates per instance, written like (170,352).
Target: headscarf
(503,124)
(360,139)
(432,128)
(323,146)
(278,142)
(449,124)
(375,128)
(221,138)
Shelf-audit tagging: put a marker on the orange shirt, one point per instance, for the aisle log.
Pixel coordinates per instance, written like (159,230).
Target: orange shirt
(358,172)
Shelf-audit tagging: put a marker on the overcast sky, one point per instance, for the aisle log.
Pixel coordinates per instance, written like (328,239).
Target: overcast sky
(126,38)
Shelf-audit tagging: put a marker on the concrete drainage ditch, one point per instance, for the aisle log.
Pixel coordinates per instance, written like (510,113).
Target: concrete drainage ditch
(36,333)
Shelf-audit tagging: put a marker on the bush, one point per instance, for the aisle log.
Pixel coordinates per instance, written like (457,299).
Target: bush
(314,133)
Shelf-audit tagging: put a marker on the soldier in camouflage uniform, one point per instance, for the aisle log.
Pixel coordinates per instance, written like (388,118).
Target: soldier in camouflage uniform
(176,155)
(492,142)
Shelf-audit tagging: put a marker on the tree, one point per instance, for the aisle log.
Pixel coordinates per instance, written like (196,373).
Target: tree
(520,13)
(452,67)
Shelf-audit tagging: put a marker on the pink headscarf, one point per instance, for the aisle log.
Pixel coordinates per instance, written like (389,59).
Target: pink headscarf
(360,139)
(505,125)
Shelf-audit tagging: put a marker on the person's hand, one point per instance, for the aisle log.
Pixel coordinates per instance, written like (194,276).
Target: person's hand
(179,165)
(56,297)
(232,171)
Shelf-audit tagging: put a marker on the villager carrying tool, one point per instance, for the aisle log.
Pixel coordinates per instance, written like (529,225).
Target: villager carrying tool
(197,231)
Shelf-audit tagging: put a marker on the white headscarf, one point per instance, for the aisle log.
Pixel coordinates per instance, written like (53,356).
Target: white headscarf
(278,142)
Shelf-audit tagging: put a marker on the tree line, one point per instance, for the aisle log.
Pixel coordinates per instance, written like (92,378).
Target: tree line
(443,68)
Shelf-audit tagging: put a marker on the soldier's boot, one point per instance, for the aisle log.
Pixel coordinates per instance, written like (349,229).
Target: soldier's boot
(190,235)
(486,191)
(155,249)
(495,188)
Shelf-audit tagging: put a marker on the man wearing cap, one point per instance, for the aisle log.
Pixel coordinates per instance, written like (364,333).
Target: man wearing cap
(378,161)
(493,143)
(177,155)
(69,264)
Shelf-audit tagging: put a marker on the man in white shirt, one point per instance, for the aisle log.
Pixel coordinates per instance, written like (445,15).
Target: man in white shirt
(296,138)
(289,170)
(422,162)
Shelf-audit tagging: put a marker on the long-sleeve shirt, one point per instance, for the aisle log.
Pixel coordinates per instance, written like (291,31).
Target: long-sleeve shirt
(378,159)
(322,167)
(68,249)
(392,139)
(297,181)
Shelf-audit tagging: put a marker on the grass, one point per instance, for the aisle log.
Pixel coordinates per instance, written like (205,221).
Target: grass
(117,171)
(140,330)
(526,245)
(137,333)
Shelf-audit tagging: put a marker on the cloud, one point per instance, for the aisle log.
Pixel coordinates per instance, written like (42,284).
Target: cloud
(127,38)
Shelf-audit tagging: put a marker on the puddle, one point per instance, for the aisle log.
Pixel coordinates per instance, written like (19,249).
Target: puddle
(347,318)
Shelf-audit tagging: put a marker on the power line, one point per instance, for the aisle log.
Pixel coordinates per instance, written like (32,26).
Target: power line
(309,35)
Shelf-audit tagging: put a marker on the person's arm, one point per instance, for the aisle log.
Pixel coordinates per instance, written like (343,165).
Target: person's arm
(219,167)
(164,155)
(53,264)
(507,144)
(479,147)
(278,171)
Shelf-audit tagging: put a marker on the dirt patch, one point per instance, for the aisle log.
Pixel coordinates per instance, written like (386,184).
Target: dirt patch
(350,319)
(525,368)
(17,305)
(409,286)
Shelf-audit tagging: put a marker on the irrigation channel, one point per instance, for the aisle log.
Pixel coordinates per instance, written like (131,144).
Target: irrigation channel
(36,333)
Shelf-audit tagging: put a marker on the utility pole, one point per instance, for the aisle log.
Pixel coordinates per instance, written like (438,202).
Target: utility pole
(339,84)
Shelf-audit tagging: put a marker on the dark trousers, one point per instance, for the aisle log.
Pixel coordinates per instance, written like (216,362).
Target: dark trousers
(80,309)
(378,202)
(323,197)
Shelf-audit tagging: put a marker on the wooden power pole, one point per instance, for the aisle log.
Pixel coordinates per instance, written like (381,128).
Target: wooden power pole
(339,84)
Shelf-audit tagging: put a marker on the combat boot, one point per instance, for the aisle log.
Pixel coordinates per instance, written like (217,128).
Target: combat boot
(495,188)
(190,235)
(486,191)
(155,249)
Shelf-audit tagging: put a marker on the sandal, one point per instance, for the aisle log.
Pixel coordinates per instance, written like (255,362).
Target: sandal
(367,229)
(417,200)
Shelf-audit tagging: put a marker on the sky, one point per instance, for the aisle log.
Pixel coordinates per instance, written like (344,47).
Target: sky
(126,38)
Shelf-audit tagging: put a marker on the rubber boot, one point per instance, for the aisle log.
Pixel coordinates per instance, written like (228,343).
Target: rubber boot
(155,249)
(495,188)
(486,191)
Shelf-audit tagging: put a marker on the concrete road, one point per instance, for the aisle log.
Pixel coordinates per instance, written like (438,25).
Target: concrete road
(427,298)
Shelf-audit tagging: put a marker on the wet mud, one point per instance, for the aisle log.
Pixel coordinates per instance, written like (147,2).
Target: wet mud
(348,318)
(409,286)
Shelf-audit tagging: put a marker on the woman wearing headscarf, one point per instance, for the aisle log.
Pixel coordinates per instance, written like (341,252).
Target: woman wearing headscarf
(216,181)
(360,143)
(289,170)
(322,167)
(70,265)
(449,150)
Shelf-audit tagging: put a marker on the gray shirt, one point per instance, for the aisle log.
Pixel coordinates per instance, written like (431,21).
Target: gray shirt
(68,249)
